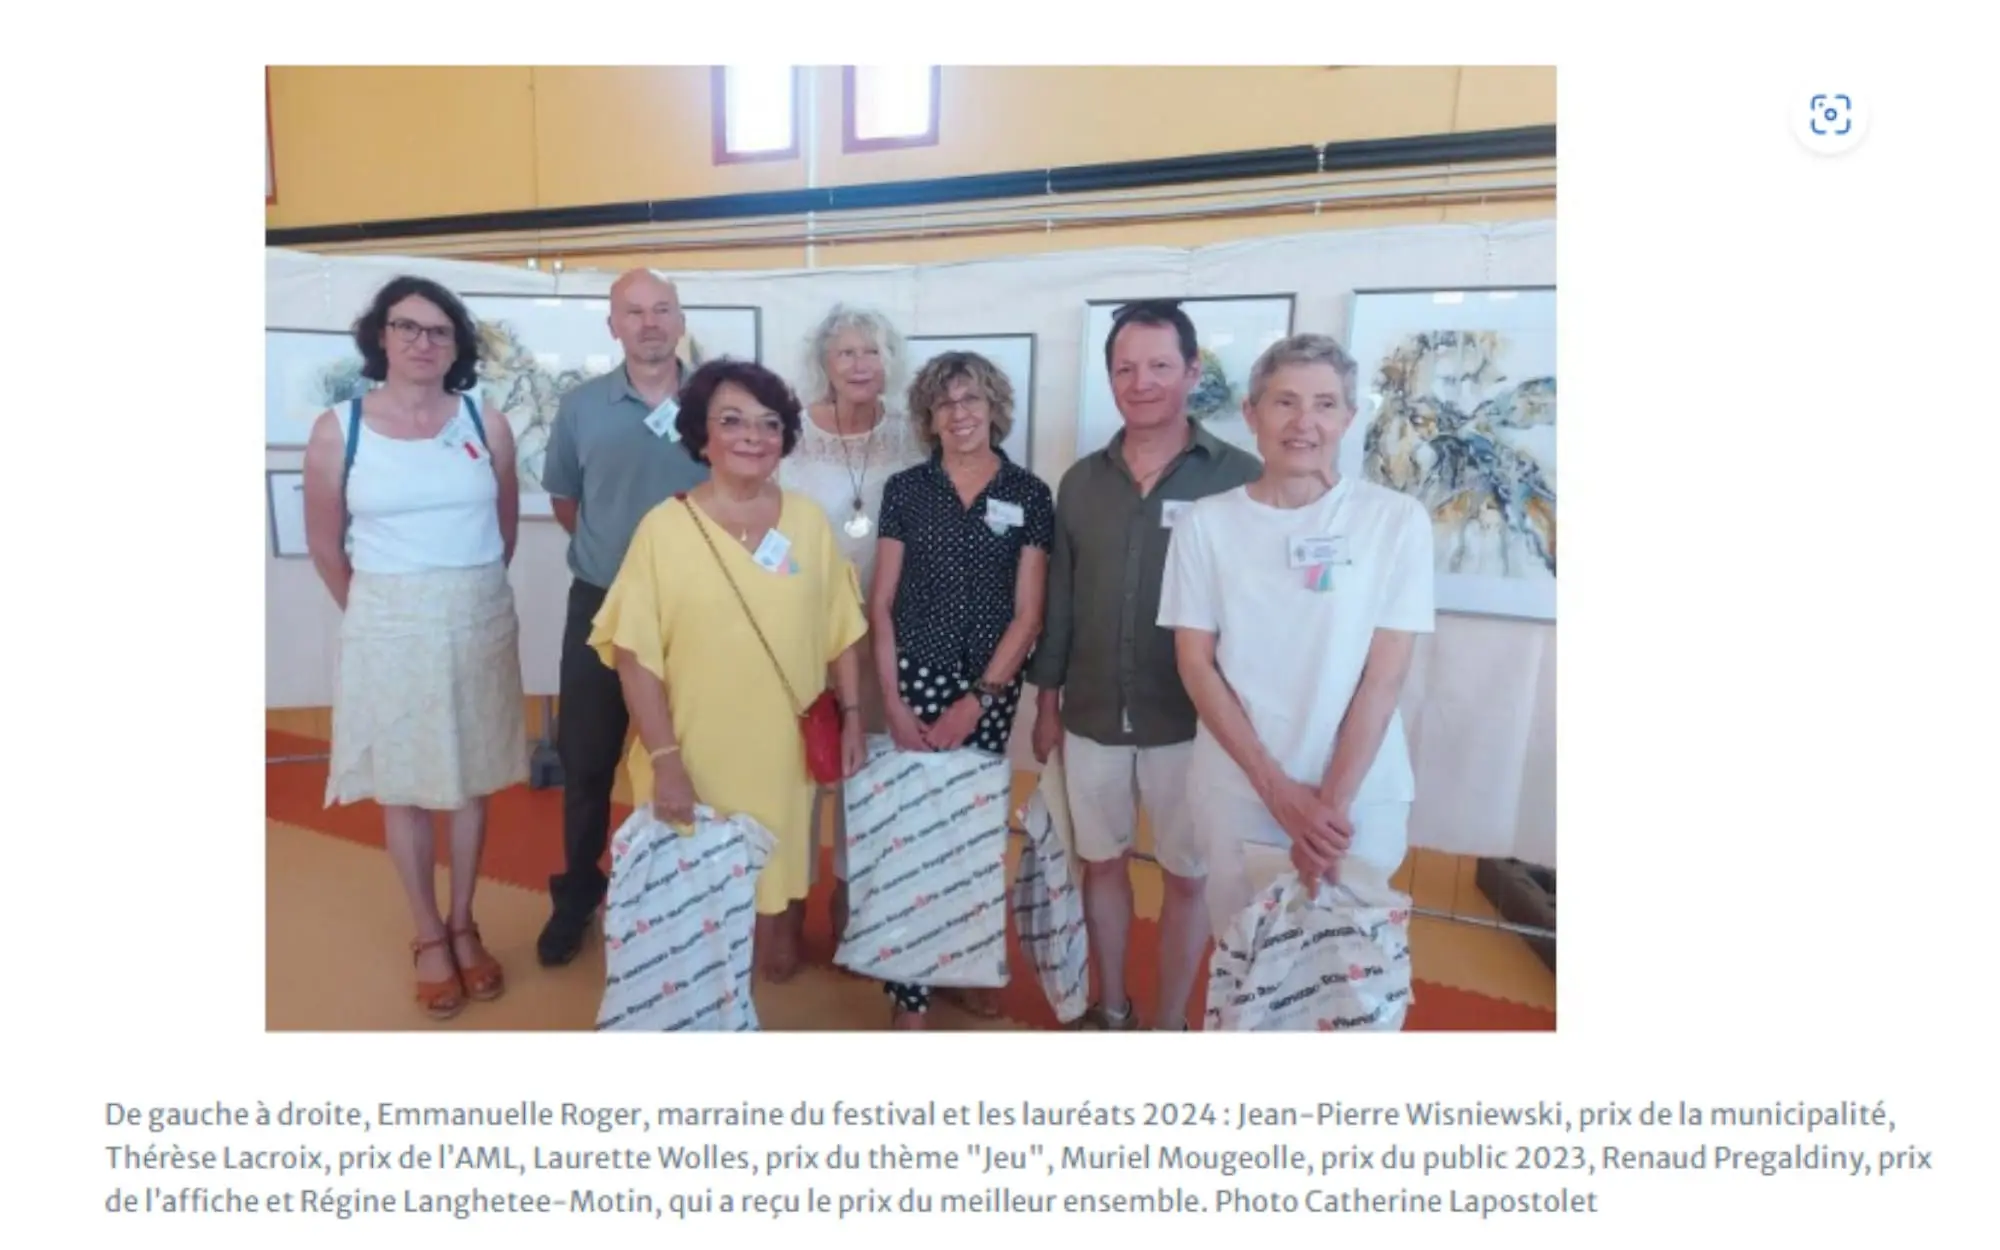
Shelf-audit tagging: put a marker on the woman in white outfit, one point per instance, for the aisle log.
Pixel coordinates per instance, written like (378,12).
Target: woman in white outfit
(1296,602)
(853,441)
(412,505)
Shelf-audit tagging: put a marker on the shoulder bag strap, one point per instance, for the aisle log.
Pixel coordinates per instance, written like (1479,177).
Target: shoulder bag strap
(478,423)
(347,466)
(702,529)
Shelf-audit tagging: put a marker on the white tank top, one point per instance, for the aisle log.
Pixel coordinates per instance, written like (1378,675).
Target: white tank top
(422,504)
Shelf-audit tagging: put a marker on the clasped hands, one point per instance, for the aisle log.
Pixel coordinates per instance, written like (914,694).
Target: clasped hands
(1320,831)
(950,731)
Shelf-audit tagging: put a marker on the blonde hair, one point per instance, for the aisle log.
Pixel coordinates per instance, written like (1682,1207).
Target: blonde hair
(933,386)
(879,330)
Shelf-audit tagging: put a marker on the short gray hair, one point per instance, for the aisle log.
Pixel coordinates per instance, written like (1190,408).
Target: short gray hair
(1305,349)
(879,329)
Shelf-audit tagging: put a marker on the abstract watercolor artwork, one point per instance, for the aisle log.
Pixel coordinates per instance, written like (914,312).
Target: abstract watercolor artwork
(535,348)
(1014,356)
(1231,332)
(1457,408)
(305,373)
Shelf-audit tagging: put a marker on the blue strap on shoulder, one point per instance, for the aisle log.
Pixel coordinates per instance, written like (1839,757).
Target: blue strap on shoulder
(347,466)
(478,425)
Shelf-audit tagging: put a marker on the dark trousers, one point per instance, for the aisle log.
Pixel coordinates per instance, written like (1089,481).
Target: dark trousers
(590,738)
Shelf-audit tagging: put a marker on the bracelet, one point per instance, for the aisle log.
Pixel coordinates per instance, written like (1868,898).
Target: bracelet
(850,711)
(663,751)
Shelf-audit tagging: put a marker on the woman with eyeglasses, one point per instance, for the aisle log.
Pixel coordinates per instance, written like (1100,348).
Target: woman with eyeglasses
(735,610)
(960,575)
(412,506)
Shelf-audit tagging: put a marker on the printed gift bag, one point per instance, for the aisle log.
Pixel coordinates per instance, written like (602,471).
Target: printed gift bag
(1335,959)
(679,920)
(927,867)
(1048,902)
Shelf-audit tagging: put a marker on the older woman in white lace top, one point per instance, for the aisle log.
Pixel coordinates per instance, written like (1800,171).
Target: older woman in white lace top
(853,441)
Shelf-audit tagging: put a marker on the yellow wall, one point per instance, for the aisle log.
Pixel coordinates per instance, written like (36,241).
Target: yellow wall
(361,144)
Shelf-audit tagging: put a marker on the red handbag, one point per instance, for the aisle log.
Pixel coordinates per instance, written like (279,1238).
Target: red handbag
(820,727)
(819,723)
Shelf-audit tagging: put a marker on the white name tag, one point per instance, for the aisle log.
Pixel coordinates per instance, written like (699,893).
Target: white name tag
(457,436)
(1001,515)
(661,420)
(1310,552)
(1170,512)
(772,551)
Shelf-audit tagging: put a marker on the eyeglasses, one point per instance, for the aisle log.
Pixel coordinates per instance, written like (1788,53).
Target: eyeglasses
(736,424)
(972,404)
(410,331)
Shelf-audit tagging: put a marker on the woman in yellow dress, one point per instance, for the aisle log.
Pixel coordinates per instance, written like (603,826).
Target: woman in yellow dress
(721,589)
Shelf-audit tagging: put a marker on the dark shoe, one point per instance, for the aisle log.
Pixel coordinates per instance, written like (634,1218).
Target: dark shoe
(562,938)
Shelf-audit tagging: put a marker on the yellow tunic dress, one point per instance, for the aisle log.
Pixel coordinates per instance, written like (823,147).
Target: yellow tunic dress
(671,606)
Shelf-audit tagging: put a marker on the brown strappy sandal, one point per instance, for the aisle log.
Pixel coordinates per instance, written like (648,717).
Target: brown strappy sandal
(441,1000)
(485,980)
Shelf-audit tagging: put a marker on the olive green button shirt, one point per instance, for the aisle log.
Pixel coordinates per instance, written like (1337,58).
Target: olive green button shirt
(1101,644)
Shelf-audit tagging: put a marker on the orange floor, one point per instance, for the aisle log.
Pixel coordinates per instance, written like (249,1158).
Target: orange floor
(337,931)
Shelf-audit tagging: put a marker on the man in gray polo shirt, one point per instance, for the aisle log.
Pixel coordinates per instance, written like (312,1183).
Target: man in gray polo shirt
(612,458)
(1110,693)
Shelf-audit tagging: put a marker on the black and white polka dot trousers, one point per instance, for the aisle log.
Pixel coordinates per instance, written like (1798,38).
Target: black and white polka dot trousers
(929,691)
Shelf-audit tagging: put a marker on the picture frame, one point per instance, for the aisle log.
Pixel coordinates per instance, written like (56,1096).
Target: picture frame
(1231,332)
(305,373)
(718,330)
(1014,356)
(1467,370)
(285,508)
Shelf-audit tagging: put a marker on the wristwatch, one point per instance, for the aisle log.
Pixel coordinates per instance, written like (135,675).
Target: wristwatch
(988,694)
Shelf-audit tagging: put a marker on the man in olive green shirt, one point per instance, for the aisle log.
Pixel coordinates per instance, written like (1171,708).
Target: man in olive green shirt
(1110,695)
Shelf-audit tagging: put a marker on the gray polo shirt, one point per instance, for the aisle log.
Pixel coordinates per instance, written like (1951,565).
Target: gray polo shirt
(1101,643)
(602,455)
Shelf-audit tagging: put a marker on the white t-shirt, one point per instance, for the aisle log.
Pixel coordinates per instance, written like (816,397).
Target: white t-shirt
(1294,628)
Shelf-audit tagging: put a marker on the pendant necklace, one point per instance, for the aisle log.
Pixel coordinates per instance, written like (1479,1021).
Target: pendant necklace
(858,525)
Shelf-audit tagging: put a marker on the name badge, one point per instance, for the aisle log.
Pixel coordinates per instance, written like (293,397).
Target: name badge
(772,551)
(1309,553)
(1002,515)
(661,420)
(1170,512)
(457,436)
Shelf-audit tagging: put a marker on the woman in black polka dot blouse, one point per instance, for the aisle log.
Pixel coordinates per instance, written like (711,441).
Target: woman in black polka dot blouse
(956,607)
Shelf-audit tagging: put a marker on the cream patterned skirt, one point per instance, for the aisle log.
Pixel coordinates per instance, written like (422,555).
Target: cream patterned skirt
(427,702)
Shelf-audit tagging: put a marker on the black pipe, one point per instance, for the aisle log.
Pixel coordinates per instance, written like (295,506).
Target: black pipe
(1474,147)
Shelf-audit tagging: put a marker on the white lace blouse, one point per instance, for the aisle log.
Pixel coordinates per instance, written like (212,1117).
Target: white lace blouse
(832,470)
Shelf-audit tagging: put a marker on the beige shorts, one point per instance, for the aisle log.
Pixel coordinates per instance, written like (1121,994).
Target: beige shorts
(1107,788)
(1248,852)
